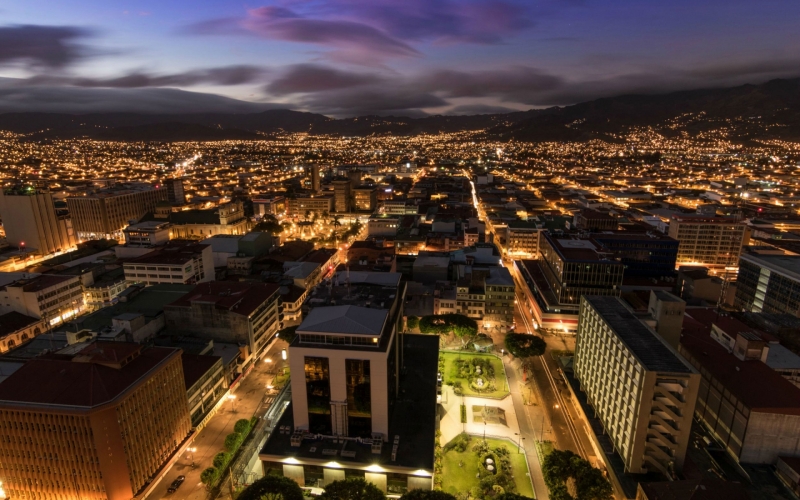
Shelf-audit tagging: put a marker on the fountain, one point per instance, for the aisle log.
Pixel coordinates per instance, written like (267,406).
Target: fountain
(479,382)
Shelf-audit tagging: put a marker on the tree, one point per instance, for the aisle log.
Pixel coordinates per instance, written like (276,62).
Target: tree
(512,496)
(523,345)
(352,489)
(413,322)
(272,488)
(242,427)
(221,459)
(269,225)
(427,495)
(232,441)
(461,326)
(564,471)
(208,476)
(288,334)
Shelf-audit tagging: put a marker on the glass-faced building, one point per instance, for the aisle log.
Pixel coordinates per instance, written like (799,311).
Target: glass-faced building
(769,283)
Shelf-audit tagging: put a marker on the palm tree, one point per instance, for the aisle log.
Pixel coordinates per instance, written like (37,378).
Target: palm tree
(336,224)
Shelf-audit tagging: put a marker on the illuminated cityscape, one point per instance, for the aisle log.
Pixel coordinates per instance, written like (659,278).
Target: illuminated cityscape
(483,250)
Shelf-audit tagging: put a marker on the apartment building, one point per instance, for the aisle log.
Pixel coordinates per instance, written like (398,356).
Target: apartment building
(521,239)
(642,391)
(94,421)
(768,283)
(243,313)
(51,297)
(358,409)
(179,262)
(713,242)
(104,213)
(365,198)
(31,220)
(297,207)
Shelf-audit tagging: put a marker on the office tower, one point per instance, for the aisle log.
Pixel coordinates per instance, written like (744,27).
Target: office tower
(315,178)
(365,198)
(521,239)
(31,219)
(642,391)
(355,175)
(350,386)
(647,254)
(105,213)
(569,266)
(713,242)
(768,283)
(91,422)
(342,189)
(175,192)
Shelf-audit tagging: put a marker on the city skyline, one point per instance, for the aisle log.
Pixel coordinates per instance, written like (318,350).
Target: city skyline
(348,58)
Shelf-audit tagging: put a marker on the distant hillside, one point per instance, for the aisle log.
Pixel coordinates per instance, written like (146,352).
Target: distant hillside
(770,110)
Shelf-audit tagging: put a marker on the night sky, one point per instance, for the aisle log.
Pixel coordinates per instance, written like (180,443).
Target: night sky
(404,57)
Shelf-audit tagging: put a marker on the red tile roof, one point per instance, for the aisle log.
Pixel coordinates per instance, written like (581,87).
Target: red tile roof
(238,297)
(59,380)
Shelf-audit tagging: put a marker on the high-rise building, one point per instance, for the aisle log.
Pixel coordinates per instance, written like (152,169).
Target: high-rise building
(30,219)
(642,391)
(644,254)
(768,283)
(92,421)
(175,192)
(713,242)
(105,213)
(315,178)
(352,386)
(342,189)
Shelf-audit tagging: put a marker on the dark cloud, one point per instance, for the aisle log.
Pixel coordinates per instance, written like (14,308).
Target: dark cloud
(515,84)
(46,46)
(478,109)
(306,78)
(227,75)
(376,100)
(20,96)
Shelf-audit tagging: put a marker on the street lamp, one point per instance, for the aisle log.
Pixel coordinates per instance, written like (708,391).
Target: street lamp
(232,398)
(519,441)
(191,455)
(283,354)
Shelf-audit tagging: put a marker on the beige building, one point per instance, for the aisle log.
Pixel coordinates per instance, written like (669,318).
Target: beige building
(365,198)
(17,328)
(105,213)
(297,207)
(51,297)
(179,262)
(98,422)
(642,391)
(713,242)
(342,194)
(30,219)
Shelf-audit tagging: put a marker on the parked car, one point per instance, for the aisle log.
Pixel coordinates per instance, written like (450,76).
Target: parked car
(176,484)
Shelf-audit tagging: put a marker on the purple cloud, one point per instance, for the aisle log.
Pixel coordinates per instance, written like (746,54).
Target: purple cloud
(48,46)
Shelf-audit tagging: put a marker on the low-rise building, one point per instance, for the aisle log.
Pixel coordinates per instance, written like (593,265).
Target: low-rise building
(17,328)
(50,297)
(297,207)
(227,218)
(236,312)
(204,377)
(178,262)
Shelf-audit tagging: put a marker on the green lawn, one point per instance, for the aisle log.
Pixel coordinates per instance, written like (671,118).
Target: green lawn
(462,479)
(451,374)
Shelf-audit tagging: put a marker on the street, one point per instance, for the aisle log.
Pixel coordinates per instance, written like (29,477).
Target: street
(250,397)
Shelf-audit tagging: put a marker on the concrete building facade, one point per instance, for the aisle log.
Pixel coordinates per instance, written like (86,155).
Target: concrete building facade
(643,392)
(768,283)
(105,213)
(99,424)
(30,219)
(713,242)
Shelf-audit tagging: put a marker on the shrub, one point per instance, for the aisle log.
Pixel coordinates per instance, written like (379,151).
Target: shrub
(352,489)
(458,443)
(463,414)
(208,476)
(427,495)
(242,427)
(232,441)
(413,322)
(221,459)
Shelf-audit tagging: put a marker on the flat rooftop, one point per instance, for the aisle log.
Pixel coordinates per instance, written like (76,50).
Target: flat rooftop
(785,264)
(413,419)
(640,340)
(344,320)
(150,302)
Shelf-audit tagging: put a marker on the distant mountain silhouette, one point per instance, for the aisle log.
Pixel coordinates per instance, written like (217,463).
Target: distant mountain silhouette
(769,110)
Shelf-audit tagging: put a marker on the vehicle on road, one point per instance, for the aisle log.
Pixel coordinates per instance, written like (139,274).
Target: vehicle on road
(176,484)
